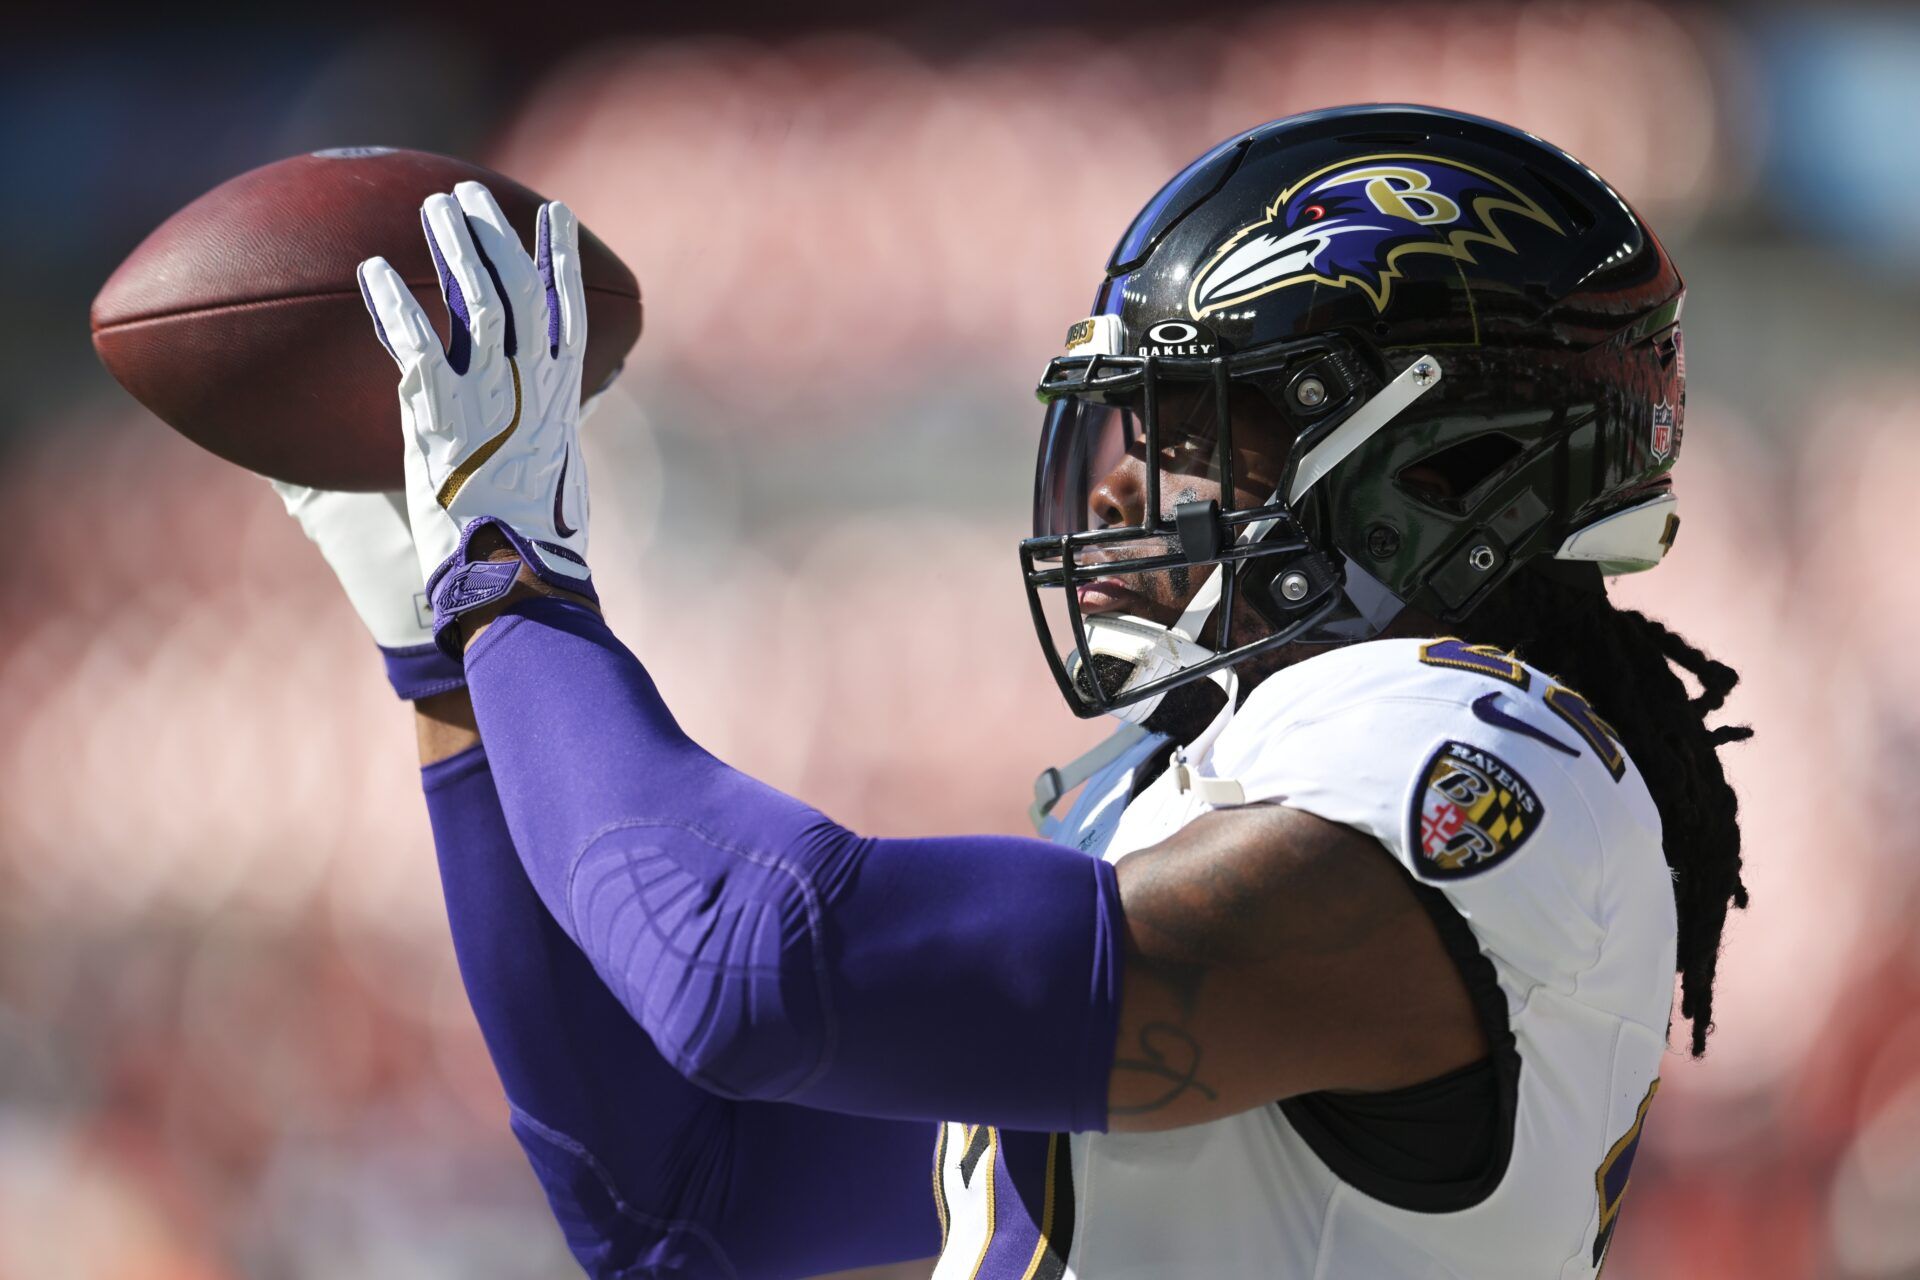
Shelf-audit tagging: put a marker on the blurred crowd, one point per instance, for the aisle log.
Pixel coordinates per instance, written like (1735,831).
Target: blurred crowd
(232,1041)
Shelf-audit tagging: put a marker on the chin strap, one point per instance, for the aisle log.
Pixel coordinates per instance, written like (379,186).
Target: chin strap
(1152,650)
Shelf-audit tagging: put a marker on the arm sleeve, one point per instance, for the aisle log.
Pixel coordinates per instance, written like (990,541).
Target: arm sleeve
(647,1173)
(770,953)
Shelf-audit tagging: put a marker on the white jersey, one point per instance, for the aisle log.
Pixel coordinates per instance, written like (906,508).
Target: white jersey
(1501,790)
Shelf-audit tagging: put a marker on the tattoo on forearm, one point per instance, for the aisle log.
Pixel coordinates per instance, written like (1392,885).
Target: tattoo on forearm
(1170,1055)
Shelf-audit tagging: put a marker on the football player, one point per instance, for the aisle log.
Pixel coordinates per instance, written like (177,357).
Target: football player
(1354,953)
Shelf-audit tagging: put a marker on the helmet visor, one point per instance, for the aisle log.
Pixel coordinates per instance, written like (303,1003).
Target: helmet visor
(1129,455)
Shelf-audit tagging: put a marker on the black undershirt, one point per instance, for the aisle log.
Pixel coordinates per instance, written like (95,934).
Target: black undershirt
(1435,1133)
(1441,1145)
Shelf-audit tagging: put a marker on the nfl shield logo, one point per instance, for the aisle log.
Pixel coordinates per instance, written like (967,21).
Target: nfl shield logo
(1662,431)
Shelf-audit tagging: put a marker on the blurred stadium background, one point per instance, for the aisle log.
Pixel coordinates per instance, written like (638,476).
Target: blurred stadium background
(232,1043)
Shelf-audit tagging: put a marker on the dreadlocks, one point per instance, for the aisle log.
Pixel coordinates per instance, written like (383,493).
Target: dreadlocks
(1624,663)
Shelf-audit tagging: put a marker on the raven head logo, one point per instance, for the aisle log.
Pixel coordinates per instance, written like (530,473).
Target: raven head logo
(1352,223)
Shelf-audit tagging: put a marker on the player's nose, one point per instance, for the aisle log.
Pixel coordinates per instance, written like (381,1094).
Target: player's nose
(1120,498)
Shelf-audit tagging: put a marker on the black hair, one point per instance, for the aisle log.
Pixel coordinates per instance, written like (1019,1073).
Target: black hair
(1559,619)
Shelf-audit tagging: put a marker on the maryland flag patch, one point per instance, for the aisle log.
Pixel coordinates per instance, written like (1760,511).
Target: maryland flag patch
(1471,812)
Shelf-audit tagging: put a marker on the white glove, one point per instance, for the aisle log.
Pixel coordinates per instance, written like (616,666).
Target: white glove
(492,423)
(366,540)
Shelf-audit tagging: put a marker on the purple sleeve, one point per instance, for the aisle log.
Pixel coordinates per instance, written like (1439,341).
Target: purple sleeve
(770,953)
(647,1173)
(421,671)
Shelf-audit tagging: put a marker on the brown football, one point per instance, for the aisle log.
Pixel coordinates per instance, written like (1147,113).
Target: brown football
(239,320)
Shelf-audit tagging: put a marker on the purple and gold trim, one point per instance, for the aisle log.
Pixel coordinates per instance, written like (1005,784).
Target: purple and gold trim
(1484,658)
(1610,1179)
(1586,722)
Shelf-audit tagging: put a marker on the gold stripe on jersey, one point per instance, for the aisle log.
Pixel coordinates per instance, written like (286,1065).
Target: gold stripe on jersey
(940,1184)
(993,1142)
(1049,1263)
(1620,1156)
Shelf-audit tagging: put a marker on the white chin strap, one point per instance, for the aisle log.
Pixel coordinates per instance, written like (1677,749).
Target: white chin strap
(1151,650)
(1155,650)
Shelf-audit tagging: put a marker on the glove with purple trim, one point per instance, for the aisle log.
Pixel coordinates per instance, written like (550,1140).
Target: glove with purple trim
(492,422)
(366,541)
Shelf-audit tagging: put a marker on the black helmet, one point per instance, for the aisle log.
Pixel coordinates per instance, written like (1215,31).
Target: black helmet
(1471,346)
